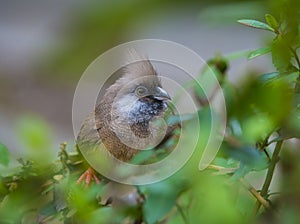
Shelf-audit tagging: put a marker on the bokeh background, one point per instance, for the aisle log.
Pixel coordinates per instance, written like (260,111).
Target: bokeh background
(45,46)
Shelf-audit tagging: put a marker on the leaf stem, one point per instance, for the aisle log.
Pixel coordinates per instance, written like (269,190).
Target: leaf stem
(296,57)
(185,220)
(268,179)
(254,192)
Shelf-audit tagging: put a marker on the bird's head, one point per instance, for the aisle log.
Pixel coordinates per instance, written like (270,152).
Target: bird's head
(140,96)
(134,106)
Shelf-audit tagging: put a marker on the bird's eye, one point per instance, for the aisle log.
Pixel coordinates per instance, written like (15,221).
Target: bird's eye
(141,91)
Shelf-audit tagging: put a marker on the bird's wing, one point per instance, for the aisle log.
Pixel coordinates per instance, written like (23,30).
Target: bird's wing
(88,135)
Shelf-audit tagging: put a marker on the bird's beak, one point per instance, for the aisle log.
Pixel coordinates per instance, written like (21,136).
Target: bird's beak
(161,94)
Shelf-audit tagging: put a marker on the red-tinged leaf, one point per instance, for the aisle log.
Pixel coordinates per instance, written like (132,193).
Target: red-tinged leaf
(255,24)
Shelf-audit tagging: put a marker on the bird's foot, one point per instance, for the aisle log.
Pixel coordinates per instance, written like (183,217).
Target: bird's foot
(88,176)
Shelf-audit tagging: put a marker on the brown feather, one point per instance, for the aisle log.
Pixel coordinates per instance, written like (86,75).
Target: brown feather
(98,126)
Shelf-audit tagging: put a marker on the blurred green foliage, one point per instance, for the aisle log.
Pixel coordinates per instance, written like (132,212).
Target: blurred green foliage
(263,111)
(4,155)
(35,136)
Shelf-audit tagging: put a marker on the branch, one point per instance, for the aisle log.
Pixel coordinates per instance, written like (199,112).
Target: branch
(254,192)
(248,186)
(222,170)
(181,212)
(270,173)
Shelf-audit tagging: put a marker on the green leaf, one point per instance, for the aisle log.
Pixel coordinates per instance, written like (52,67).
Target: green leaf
(249,157)
(291,128)
(4,155)
(257,127)
(268,77)
(211,201)
(48,210)
(281,55)
(35,135)
(161,198)
(256,107)
(259,52)
(256,24)
(142,156)
(227,163)
(236,55)
(271,21)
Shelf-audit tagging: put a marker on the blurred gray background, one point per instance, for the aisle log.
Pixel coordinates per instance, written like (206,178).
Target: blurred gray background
(45,46)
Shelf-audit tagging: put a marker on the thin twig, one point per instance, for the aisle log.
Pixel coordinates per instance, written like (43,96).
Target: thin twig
(254,192)
(262,146)
(222,170)
(247,185)
(267,182)
(267,154)
(185,220)
(295,56)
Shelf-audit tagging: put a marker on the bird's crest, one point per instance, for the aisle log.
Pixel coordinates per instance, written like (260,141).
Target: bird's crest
(138,65)
(138,68)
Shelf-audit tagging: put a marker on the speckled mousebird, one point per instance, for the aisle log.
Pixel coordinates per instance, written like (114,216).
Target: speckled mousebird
(122,119)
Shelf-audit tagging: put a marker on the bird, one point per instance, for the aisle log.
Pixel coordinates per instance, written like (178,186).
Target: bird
(126,118)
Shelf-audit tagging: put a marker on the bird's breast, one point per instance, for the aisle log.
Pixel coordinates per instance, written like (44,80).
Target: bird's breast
(127,128)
